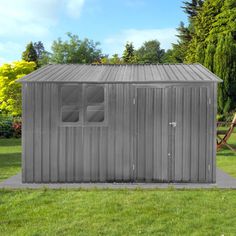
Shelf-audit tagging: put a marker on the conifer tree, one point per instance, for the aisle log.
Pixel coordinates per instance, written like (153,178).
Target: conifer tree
(128,54)
(30,53)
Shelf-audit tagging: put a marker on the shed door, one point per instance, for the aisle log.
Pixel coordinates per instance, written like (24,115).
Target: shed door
(153,134)
(172,134)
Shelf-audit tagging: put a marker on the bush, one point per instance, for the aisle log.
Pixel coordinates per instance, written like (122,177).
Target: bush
(227,117)
(10,126)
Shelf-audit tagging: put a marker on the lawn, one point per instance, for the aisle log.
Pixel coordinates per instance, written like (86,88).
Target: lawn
(10,161)
(117,212)
(226,159)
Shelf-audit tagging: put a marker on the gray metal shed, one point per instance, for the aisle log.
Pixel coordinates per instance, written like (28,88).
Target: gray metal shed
(122,123)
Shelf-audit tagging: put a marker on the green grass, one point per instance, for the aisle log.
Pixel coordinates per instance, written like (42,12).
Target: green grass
(10,157)
(226,159)
(117,212)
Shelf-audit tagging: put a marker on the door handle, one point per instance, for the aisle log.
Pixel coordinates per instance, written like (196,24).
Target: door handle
(173,124)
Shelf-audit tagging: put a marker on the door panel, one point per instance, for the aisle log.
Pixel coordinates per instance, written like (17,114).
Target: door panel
(152,134)
(190,134)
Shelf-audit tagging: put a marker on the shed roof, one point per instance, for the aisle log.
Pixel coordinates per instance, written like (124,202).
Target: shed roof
(150,73)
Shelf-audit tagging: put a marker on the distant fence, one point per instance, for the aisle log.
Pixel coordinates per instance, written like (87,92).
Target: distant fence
(10,126)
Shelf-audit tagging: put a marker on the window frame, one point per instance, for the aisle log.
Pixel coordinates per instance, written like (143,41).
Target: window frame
(75,107)
(82,106)
(86,104)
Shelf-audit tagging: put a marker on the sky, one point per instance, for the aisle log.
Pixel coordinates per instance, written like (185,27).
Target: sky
(111,22)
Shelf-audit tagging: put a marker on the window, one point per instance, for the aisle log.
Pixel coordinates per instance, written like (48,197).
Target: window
(95,94)
(95,113)
(94,103)
(71,97)
(82,104)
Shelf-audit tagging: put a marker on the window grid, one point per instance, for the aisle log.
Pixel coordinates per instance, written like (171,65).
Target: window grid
(83,106)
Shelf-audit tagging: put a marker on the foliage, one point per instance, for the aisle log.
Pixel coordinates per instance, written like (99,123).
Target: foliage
(10,91)
(10,158)
(115,59)
(150,52)
(17,128)
(191,8)
(36,52)
(10,126)
(129,54)
(75,50)
(210,39)
(30,53)
(6,129)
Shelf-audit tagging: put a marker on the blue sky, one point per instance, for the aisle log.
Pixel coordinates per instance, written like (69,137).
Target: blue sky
(111,22)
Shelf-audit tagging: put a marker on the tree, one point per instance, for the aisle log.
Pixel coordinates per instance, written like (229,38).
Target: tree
(115,59)
(128,54)
(150,52)
(191,8)
(75,50)
(30,53)
(10,90)
(225,67)
(36,52)
(214,45)
(179,52)
(43,57)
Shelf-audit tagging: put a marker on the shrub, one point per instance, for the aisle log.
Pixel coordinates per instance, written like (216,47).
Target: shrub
(10,126)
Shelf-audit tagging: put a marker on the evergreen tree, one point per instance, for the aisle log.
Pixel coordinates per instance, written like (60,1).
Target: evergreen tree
(128,54)
(43,56)
(191,8)
(30,53)
(213,44)
(224,67)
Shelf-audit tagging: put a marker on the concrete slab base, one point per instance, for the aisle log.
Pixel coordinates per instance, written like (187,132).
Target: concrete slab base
(223,181)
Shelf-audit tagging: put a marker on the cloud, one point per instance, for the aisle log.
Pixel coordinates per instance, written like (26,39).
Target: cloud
(74,8)
(22,21)
(27,17)
(115,43)
(33,17)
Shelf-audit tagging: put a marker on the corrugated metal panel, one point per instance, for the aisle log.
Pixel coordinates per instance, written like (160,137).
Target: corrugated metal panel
(122,73)
(55,153)
(133,145)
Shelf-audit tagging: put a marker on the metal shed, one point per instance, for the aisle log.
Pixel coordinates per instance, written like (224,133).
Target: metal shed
(119,123)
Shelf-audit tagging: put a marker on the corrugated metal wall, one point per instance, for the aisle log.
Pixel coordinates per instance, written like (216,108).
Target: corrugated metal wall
(116,151)
(54,153)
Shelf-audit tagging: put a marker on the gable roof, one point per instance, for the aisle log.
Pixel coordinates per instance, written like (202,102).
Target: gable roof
(123,73)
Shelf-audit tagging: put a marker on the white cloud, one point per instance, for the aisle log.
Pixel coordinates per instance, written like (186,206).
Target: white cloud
(34,17)
(27,17)
(22,21)
(115,43)
(74,8)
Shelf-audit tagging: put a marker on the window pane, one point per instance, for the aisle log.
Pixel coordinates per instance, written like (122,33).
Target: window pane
(70,116)
(70,95)
(95,94)
(95,113)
